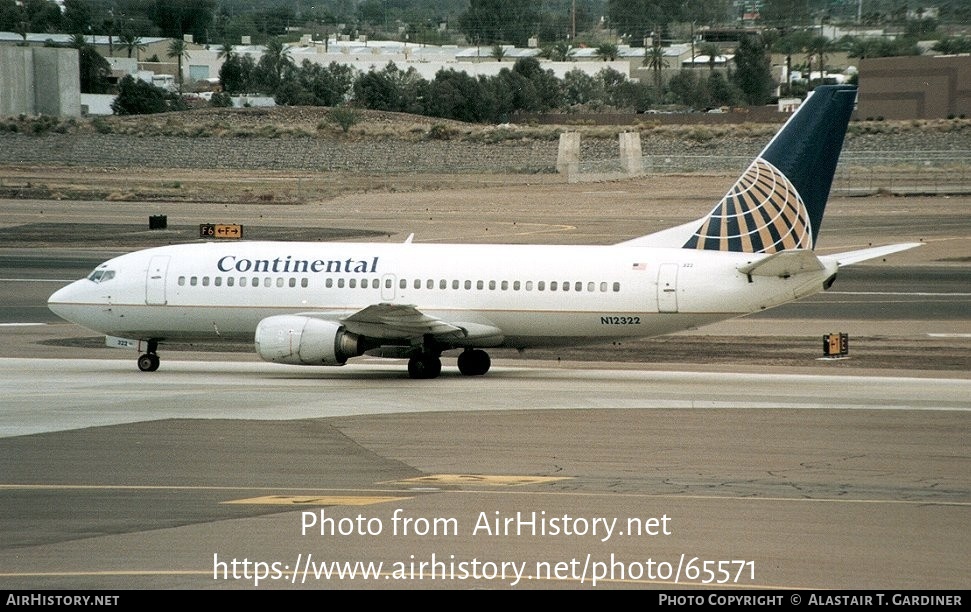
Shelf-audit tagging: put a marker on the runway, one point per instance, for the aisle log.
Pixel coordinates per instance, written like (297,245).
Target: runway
(792,481)
(669,471)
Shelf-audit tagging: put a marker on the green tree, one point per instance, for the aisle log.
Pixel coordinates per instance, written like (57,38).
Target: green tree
(77,17)
(789,45)
(487,22)
(93,69)
(236,73)
(178,49)
(131,42)
(174,18)
(136,97)
(273,64)
(607,51)
(390,89)
(817,50)
(579,88)
(456,95)
(753,71)
(712,52)
(655,60)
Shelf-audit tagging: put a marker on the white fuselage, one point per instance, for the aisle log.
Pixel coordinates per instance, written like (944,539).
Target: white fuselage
(536,295)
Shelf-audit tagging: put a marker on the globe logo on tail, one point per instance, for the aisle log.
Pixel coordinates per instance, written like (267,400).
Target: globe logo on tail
(761,213)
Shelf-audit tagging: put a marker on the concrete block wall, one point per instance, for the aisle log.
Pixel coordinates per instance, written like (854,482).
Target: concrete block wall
(39,81)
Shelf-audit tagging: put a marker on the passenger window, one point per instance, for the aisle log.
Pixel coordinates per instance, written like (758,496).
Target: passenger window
(193,281)
(529,285)
(541,286)
(352,283)
(230,281)
(553,285)
(329,283)
(402,284)
(492,285)
(364,283)
(566,286)
(616,287)
(242,281)
(430,284)
(417,284)
(603,287)
(304,282)
(181,281)
(468,285)
(591,286)
(279,282)
(218,281)
(340,283)
(267,281)
(480,285)
(293,282)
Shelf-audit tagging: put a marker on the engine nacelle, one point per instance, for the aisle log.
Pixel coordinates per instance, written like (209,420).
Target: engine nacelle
(300,340)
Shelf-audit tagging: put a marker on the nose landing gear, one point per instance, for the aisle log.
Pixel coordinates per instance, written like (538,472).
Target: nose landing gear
(149,362)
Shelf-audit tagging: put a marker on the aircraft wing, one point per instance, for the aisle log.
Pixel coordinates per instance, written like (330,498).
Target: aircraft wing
(396,321)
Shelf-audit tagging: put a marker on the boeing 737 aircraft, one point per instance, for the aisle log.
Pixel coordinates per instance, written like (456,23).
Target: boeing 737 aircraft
(323,303)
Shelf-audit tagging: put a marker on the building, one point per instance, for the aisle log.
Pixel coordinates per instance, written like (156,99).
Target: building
(919,87)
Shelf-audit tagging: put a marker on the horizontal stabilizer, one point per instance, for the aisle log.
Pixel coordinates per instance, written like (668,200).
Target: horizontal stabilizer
(852,257)
(783,264)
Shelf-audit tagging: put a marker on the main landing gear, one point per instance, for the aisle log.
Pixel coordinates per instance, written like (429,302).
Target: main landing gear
(149,362)
(472,362)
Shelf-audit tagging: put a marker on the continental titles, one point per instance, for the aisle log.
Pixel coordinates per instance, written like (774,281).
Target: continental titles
(232,263)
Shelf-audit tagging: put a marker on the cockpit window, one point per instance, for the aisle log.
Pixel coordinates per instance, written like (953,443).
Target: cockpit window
(101,275)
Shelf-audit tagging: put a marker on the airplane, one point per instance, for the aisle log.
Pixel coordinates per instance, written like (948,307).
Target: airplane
(316,303)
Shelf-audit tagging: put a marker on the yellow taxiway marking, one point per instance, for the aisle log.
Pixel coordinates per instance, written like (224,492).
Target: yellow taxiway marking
(315,500)
(480,479)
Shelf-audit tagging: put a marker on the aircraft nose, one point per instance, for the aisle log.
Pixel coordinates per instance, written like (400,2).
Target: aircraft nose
(63,301)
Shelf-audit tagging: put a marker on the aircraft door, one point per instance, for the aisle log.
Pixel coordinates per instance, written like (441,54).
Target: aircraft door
(667,287)
(155,280)
(387,287)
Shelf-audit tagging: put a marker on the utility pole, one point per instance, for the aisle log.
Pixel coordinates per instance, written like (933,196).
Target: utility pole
(573,21)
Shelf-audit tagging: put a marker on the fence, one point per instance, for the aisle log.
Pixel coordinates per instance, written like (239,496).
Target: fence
(902,172)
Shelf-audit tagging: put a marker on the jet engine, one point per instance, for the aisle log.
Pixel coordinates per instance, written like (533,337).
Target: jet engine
(300,340)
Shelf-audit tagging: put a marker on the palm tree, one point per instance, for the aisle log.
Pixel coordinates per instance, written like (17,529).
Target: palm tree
(788,45)
(655,60)
(132,42)
(713,53)
(276,58)
(179,50)
(817,49)
(498,52)
(226,51)
(608,52)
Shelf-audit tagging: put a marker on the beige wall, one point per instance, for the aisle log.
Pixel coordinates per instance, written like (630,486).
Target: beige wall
(923,87)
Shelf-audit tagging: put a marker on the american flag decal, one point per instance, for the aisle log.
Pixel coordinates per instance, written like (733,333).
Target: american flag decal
(762,213)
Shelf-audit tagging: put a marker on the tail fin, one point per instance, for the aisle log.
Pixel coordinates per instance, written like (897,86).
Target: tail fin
(778,203)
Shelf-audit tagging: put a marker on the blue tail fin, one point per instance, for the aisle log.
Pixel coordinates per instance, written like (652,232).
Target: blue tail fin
(778,203)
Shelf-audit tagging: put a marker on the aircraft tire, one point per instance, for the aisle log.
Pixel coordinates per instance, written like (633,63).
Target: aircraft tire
(474,362)
(148,362)
(424,366)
